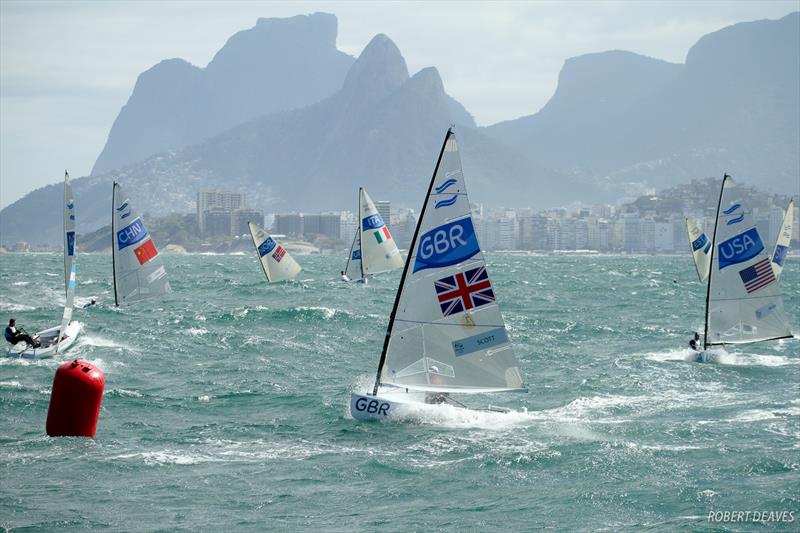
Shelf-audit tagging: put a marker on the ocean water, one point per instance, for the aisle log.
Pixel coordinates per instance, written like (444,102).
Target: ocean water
(226,407)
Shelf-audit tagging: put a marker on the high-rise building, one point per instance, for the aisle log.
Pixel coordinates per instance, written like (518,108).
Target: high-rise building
(240,218)
(384,208)
(215,199)
(290,224)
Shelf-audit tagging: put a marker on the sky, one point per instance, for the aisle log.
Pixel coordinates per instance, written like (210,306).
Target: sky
(67,68)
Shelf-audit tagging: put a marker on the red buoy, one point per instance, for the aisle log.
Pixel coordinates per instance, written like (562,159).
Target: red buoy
(75,400)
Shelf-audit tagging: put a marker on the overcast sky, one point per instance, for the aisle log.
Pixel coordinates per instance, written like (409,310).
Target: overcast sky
(66,68)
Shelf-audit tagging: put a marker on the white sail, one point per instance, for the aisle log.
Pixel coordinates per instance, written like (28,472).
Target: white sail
(353,268)
(278,265)
(446,332)
(138,269)
(700,246)
(783,240)
(379,252)
(70,266)
(744,301)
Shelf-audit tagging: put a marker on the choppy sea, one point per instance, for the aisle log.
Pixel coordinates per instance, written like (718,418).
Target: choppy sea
(226,407)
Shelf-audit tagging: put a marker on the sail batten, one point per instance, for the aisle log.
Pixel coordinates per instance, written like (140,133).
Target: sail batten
(138,269)
(446,332)
(744,303)
(276,262)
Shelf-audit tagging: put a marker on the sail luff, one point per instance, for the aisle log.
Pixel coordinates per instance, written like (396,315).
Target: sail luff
(783,241)
(350,253)
(70,266)
(360,233)
(710,270)
(406,266)
(253,230)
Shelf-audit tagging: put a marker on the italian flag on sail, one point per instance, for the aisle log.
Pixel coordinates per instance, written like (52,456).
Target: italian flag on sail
(382,235)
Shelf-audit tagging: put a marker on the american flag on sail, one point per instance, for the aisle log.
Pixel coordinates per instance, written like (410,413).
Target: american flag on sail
(278,254)
(757,276)
(464,290)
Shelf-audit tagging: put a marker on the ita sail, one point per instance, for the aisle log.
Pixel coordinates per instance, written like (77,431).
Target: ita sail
(783,240)
(57,339)
(744,302)
(446,333)
(278,265)
(379,252)
(352,270)
(139,272)
(701,248)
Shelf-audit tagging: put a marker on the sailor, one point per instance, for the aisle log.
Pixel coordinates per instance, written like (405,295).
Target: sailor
(16,334)
(90,304)
(694,341)
(344,276)
(435,398)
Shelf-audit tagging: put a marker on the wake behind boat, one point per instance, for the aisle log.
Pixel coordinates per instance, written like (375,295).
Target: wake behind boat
(446,333)
(52,341)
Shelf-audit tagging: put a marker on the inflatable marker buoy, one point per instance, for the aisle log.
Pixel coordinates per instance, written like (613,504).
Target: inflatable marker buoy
(75,400)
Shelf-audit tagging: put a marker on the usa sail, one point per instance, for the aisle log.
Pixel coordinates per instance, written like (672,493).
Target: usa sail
(700,246)
(278,265)
(744,302)
(139,272)
(783,240)
(379,252)
(353,267)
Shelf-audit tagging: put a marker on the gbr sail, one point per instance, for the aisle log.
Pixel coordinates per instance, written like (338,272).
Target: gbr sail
(70,266)
(701,248)
(783,240)
(744,302)
(446,332)
(138,269)
(379,252)
(353,267)
(278,265)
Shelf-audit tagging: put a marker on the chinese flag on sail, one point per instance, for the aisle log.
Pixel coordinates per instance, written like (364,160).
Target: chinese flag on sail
(146,252)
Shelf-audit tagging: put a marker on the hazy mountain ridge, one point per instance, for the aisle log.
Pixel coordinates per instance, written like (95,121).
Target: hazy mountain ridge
(277,65)
(732,107)
(617,118)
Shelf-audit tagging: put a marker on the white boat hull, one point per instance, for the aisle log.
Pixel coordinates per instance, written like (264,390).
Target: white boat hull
(49,341)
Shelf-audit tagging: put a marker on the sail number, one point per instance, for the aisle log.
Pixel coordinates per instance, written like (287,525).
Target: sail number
(446,245)
(372,406)
(131,234)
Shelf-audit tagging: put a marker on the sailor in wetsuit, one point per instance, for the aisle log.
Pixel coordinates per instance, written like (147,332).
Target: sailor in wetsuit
(694,341)
(344,276)
(16,334)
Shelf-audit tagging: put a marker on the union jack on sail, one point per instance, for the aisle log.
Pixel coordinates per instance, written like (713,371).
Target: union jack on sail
(464,291)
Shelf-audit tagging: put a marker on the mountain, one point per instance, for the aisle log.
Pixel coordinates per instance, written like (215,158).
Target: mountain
(733,106)
(382,130)
(279,64)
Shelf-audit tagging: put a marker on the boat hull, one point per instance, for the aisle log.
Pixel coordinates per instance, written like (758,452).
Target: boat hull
(368,407)
(49,341)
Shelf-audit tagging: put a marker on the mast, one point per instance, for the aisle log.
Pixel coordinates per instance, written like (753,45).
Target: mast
(350,253)
(406,265)
(66,243)
(361,239)
(711,264)
(114,243)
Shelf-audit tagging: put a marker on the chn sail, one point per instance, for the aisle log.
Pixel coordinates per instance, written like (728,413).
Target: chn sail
(353,267)
(701,248)
(278,265)
(138,269)
(70,266)
(744,302)
(379,252)
(783,240)
(446,332)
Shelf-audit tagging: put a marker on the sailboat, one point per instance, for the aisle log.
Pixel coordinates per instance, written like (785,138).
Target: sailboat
(783,240)
(377,251)
(352,269)
(139,272)
(701,248)
(743,301)
(278,265)
(52,341)
(446,333)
